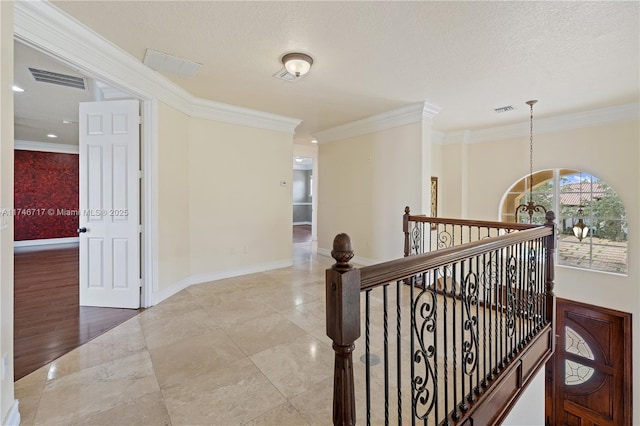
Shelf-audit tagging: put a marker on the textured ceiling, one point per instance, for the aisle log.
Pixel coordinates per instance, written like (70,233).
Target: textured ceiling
(371,57)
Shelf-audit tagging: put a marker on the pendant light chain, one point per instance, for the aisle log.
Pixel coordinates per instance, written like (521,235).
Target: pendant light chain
(530,208)
(531,153)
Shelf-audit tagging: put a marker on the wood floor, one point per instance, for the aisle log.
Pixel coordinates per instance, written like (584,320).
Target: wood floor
(48,321)
(301,233)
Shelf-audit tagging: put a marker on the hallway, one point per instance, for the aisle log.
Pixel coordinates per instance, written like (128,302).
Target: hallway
(244,350)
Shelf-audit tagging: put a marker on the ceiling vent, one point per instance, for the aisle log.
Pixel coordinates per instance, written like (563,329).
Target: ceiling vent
(163,62)
(504,109)
(285,75)
(59,79)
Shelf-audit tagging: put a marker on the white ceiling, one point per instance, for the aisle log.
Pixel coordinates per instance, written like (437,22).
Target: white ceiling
(371,57)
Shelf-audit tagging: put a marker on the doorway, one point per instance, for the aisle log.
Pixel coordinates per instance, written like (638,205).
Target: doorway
(48,320)
(588,379)
(302,188)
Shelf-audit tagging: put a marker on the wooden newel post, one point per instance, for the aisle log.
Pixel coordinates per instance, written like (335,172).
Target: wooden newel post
(550,273)
(405,228)
(343,327)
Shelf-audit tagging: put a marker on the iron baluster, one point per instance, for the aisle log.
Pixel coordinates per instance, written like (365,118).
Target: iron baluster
(399,348)
(386,353)
(412,345)
(367,356)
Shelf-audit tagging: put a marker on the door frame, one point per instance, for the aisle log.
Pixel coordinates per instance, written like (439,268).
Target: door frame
(148,161)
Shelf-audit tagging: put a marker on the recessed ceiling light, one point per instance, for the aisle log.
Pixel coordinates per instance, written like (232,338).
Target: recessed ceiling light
(17,88)
(52,136)
(314,140)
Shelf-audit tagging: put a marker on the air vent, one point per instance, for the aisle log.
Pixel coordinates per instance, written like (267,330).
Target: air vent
(504,109)
(56,78)
(163,62)
(285,75)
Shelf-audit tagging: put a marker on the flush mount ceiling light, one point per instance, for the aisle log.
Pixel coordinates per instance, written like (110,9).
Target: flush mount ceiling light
(297,63)
(314,140)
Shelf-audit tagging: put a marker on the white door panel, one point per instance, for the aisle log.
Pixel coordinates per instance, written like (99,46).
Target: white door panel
(109,204)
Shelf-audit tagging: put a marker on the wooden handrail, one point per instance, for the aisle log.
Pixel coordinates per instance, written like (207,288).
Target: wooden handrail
(398,269)
(477,223)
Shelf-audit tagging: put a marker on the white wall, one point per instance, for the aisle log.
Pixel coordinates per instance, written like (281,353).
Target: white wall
(8,405)
(609,151)
(366,182)
(527,411)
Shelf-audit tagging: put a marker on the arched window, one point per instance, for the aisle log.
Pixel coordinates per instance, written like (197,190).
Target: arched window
(576,196)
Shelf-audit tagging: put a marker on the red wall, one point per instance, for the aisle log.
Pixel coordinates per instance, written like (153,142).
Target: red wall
(45,182)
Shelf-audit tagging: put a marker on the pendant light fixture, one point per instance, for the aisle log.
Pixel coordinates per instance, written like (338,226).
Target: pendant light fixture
(530,208)
(580,230)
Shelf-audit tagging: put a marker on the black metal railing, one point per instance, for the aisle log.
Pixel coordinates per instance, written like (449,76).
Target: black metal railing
(440,328)
(424,234)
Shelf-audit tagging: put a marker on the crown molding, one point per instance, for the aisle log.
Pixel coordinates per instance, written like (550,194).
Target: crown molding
(211,110)
(415,113)
(43,26)
(559,123)
(437,138)
(46,147)
(461,137)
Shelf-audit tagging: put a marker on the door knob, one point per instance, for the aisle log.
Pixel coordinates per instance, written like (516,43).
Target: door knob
(81,230)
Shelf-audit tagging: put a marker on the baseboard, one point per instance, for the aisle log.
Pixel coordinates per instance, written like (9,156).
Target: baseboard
(13,416)
(171,290)
(230,273)
(357,260)
(214,276)
(46,244)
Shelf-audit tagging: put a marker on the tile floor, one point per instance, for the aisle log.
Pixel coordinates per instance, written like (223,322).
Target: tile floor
(249,350)
(245,350)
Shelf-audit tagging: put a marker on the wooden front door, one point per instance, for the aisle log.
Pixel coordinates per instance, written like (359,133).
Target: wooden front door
(589,376)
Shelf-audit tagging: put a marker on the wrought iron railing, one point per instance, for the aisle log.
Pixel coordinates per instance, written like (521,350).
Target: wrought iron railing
(443,329)
(423,234)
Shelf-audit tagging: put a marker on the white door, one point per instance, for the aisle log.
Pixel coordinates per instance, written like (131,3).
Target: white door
(109,204)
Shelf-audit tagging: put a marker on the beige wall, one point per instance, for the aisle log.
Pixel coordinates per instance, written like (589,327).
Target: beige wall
(610,152)
(365,183)
(6,202)
(453,182)
(221,208)
(239,213)
(437,168)
(173,197)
